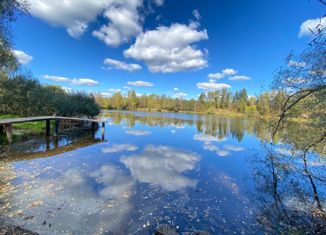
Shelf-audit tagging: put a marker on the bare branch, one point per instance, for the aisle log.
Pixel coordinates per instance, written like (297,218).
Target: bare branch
(287,107)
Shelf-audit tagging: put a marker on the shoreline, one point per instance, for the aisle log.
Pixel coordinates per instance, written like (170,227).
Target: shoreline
(223,113)
(35,128)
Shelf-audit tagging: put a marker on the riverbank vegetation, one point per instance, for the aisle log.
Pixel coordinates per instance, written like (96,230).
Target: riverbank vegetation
(25,96)
(214,102)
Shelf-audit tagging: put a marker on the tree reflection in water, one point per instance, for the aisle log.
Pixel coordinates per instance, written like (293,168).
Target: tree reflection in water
(199,183)
(289,175)
(290,190)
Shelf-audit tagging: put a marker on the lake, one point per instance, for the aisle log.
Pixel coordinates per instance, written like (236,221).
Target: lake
(192,172)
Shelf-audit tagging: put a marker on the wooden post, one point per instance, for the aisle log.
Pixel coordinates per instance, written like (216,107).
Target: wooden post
(56,127)
(103,129)
(93,126)
(8,129)
(94,129)
(56,142)
(47,145)
(48,127)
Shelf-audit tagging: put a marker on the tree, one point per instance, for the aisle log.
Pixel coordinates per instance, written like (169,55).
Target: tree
(25,96)
(117,101)
(132,100)
(224,99)
(240,100)
(277,99)
(8,11)
(303,80)
(263,104)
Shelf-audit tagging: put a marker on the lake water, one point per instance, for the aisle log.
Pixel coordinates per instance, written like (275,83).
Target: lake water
(188,171)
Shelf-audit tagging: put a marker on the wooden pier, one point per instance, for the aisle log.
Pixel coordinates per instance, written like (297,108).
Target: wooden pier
(7,123)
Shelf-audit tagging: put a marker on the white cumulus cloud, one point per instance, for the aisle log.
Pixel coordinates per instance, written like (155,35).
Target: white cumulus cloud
(170,49)
(212,86)
(56,78)
(83,81)
(179,95)
(124,18)
(229,71)
(239,78)
(73,81)
(74,15)
(22,57)
(220,75)
(216,76)
(124,22)
(310,26)
(121,65)
(140,83)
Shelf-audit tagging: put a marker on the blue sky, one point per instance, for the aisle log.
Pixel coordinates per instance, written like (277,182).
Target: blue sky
(178,48)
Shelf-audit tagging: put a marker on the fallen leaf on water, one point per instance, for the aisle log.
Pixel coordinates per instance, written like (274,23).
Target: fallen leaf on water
(36,203)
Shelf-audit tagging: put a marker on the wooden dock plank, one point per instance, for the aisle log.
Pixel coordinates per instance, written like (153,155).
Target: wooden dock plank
(44,118)
(7,123)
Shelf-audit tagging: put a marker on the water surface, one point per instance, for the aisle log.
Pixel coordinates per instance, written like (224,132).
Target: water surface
(191,172)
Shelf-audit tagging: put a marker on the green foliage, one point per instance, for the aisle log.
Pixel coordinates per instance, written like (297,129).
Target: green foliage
(220,101)
(302,89)
(23,96)
(8,11)
(264,103)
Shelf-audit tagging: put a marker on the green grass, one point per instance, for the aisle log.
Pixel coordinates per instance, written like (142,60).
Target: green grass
(21,129)
(27,127)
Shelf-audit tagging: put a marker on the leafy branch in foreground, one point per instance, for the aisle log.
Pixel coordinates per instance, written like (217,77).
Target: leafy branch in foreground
(303,79)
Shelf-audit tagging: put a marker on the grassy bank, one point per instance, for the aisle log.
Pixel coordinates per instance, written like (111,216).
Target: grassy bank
(20,129)
(33,127)
(224,113)
(218,112)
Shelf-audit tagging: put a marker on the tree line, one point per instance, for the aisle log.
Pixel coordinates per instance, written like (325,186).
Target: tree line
(267,103)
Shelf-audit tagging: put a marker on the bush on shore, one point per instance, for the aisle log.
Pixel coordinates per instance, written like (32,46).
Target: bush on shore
(23,96)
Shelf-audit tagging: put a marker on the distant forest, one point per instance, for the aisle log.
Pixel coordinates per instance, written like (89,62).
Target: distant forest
(268,103)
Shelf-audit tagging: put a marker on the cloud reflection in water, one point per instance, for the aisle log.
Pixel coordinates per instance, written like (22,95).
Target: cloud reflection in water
(118,148)
(162,166)
(138,132)
(208,145)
